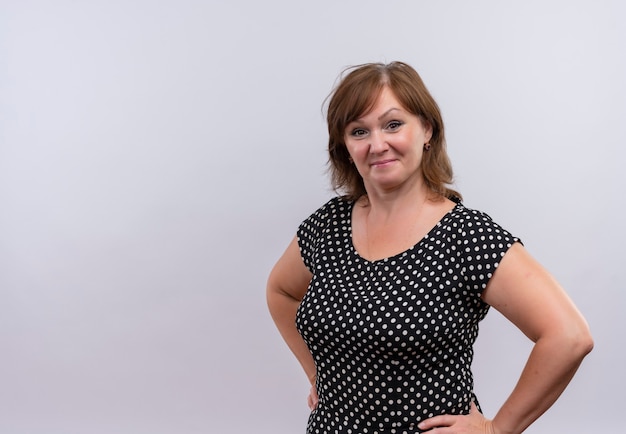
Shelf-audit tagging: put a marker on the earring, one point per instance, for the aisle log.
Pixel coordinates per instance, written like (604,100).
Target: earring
(350,160)
(426,146)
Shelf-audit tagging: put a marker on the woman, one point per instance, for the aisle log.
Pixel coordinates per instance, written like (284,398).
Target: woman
(380,293)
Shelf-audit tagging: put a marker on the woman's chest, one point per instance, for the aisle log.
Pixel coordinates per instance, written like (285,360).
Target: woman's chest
(400,306)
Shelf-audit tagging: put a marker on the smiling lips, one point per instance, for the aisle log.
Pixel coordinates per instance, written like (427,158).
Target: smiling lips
(382,163)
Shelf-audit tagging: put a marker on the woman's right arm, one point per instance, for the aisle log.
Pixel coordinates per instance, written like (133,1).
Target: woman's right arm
(286,286)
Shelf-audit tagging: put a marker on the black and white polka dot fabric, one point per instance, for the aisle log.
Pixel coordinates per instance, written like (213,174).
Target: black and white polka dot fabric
(392,339)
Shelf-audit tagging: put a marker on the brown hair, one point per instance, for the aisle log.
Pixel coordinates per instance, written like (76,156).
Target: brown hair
(356,95)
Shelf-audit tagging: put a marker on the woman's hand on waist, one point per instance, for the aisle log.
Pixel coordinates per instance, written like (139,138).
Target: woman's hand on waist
(312,399)
(473,423)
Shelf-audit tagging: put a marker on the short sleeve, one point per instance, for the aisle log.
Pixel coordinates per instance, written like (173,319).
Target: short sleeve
(485,244)
(310,233)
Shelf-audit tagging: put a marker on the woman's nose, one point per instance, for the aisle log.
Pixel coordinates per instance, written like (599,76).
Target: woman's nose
(378,143)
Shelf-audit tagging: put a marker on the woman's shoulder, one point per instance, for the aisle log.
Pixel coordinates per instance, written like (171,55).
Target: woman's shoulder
(336,206)
(334,213)
(466,214)
(477,223)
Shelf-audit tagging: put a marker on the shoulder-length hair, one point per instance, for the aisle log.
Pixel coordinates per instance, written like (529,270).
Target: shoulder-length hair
(356,95)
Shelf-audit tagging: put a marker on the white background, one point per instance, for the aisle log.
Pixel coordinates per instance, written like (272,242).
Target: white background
(157,156)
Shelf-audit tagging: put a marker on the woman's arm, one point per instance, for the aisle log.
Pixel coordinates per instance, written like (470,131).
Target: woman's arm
(525,293)
(286,286)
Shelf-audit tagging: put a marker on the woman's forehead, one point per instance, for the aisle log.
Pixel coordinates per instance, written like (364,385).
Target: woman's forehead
(384,98)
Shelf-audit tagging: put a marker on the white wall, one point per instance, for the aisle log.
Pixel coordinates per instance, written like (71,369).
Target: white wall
(157,156)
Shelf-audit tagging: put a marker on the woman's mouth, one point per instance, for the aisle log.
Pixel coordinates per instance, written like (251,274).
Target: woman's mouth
(382,163)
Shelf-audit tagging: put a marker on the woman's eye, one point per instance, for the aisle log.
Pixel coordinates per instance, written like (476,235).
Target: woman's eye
(358,132)
(394,125)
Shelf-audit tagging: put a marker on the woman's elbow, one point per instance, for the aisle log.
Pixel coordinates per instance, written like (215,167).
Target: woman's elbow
(581,341)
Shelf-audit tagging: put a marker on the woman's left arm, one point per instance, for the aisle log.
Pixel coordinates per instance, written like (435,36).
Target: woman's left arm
(525,293)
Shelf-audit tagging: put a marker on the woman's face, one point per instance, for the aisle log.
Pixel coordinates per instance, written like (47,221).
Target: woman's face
(387,144)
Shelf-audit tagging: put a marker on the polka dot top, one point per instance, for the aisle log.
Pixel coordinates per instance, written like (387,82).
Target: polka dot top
(392,339)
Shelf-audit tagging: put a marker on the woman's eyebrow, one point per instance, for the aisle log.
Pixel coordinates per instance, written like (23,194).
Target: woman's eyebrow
(360,120)
(387,112)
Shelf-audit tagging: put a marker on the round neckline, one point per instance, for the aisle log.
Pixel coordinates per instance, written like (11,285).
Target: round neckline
(402,253)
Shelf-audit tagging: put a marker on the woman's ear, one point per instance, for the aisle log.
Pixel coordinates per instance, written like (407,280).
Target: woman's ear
(428,130)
